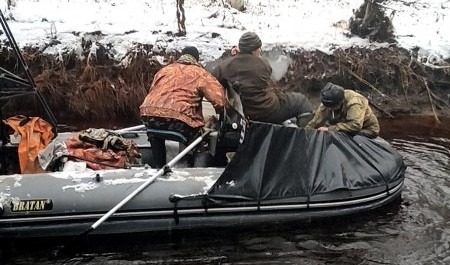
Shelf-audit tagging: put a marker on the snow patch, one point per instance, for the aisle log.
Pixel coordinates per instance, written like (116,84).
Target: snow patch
(17,184)
(123,181)
(82,187)
(308,25)
(4,198)
(230,183)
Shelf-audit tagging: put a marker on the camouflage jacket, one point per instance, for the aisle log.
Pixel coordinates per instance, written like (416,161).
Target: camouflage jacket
(177,91)
(355,116)
(253,74)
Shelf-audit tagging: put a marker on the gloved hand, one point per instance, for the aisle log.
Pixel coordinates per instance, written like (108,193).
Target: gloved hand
(212,123)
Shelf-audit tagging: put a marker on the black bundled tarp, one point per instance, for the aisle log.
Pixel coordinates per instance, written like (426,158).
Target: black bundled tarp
(296,165)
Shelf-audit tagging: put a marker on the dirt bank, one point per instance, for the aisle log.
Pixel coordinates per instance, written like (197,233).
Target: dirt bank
(95,87)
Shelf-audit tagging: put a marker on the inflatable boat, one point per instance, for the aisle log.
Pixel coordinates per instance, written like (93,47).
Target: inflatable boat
(276,174)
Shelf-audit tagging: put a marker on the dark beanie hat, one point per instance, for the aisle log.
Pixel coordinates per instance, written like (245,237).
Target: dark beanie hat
(331,95)
(191,50)
(249,42)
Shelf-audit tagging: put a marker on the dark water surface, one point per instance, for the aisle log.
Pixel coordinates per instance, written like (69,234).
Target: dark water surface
(413,230)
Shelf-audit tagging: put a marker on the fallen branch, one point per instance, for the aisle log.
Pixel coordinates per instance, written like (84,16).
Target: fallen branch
(439,100)
(365,82)
(402,77)
(437,66)
(381,109)
(433,107)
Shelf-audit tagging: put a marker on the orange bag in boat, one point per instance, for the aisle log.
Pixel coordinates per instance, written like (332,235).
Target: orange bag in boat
(35,134)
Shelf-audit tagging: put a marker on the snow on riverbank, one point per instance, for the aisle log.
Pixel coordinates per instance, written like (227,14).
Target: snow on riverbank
(294,24)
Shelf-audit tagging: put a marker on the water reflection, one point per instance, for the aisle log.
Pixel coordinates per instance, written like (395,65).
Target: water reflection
(412,230)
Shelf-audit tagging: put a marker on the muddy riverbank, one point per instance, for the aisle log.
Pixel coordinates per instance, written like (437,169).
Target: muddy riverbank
(94,86)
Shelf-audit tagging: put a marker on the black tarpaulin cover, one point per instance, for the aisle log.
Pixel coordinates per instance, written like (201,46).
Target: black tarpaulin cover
(276,162)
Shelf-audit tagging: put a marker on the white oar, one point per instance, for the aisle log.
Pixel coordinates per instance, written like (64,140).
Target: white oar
(144,185)
(128,129)
(147,182)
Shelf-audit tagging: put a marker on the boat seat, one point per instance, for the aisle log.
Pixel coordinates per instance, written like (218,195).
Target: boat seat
(167,135)
(158,147)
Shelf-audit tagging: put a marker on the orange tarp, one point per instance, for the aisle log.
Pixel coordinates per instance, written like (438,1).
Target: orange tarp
(35,135)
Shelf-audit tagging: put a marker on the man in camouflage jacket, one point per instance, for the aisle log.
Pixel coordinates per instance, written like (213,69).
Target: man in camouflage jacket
(346,111)
(174,100)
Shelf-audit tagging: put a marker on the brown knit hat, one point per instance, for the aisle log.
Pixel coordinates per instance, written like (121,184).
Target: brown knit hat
(249,42)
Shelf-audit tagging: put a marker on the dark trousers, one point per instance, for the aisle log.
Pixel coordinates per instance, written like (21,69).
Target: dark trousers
(292,105)
(158,144)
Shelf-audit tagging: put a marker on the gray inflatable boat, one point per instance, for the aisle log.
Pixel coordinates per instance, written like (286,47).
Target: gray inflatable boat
(278,174)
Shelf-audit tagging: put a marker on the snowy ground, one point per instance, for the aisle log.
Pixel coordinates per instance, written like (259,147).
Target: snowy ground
(294,24)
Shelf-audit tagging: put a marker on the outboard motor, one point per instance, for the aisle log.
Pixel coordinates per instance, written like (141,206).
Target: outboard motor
(231,126)
(232,122)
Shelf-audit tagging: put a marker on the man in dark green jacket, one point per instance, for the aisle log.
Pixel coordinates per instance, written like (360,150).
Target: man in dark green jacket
(261,102)
(346,111)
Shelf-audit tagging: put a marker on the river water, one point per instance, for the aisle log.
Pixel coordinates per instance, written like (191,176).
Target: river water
(412,230)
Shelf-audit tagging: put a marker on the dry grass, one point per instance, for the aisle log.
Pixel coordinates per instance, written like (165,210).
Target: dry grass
(100,89)
(390,77)
(90,88)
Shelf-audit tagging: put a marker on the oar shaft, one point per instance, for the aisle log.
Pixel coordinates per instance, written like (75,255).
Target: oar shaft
(134,128)
(148,181)
(126,199)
